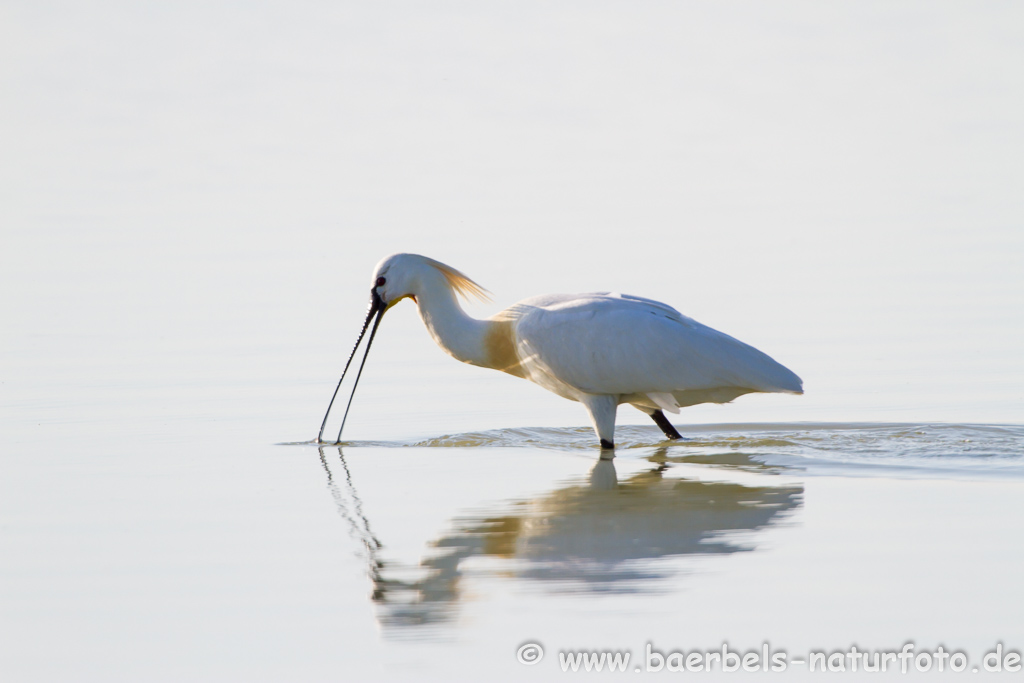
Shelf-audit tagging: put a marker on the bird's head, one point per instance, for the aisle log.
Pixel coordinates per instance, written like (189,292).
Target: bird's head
(405,276)
(397,277)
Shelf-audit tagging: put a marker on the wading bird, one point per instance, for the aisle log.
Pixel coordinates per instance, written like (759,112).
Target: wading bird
(599,349)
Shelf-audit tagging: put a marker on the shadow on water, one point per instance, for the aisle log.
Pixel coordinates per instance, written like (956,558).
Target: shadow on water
(598,535)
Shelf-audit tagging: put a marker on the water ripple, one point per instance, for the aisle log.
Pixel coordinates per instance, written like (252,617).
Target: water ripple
(814,447)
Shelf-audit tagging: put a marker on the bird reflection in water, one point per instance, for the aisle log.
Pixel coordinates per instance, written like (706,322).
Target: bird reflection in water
(601,535)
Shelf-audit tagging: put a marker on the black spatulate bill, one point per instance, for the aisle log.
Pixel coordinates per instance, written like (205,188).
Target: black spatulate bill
(377,307)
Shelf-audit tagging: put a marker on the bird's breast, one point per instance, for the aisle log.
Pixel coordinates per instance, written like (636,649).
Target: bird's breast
(500,348)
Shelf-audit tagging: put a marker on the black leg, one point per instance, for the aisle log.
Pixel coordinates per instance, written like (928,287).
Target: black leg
(666,426)
(607,445)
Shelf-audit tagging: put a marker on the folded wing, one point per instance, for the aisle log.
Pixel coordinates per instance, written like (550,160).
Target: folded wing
(642,350)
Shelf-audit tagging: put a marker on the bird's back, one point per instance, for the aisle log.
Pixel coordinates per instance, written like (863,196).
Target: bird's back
(609,343)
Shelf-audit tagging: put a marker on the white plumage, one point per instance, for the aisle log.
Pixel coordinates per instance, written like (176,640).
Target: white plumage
(601,349)
(635,347)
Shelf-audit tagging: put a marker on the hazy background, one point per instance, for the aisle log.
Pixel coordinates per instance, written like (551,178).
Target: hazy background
(197,192)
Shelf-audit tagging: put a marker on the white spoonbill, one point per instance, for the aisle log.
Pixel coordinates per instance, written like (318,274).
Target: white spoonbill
(599,349)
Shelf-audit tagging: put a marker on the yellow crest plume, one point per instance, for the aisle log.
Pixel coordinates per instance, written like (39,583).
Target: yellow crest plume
(462,285)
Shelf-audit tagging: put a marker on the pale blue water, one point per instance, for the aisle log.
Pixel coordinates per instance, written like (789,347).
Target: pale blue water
(602,534)
(968,450)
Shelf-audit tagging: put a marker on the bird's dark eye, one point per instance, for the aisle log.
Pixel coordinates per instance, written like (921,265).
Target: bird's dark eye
(380,282)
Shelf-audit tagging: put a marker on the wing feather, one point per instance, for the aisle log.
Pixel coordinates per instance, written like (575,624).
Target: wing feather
(615,344)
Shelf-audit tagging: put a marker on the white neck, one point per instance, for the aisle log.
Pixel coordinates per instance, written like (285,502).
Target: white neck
(461,336)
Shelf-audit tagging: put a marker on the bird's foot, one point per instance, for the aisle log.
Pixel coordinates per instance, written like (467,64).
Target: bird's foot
(607,445)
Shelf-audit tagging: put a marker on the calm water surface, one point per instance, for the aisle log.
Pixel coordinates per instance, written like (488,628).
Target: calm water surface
(217,555)
(603,534)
